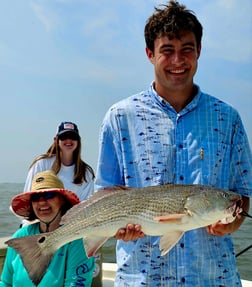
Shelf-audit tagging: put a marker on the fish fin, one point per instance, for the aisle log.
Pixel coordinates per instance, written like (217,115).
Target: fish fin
(92,244)
(168,241)
(170,218)
(33,255)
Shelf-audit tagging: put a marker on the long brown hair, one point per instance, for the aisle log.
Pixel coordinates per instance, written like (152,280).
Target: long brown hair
(81,167)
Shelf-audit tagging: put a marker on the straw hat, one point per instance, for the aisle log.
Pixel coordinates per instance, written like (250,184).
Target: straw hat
(42,182)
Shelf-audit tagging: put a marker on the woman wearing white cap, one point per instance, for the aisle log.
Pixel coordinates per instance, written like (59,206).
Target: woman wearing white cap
(64,157)
(47,201)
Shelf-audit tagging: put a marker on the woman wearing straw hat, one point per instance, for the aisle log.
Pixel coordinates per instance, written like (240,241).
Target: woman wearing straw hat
(47,201)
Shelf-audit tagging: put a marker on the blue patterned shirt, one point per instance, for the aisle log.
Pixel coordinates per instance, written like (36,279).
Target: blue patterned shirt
(145,142)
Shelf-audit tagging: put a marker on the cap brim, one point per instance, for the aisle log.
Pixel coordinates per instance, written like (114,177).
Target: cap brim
(67,131)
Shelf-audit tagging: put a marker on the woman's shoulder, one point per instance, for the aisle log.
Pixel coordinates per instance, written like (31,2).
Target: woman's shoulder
(46,161)
(27,230)
(42,163)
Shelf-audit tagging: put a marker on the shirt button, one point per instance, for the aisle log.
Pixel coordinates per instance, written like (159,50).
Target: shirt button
(180,146)
(182,245)
(183,280)
(181,177)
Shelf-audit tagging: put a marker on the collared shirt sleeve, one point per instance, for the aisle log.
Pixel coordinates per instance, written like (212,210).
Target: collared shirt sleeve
(241,161)
(108,168)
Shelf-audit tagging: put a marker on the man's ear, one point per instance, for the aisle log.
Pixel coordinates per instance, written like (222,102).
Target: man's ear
(150,55)
(199,50)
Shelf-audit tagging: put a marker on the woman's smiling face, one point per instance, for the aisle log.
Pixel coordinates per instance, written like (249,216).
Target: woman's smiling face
(47,209)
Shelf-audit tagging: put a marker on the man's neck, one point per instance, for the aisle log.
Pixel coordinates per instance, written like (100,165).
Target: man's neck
(178,99)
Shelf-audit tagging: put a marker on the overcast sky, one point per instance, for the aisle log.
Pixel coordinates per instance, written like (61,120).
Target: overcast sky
(70,60)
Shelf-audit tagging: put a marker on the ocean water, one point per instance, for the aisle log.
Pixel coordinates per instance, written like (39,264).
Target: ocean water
(9,223)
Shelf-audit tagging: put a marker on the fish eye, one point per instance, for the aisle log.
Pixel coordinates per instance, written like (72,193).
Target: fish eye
(42,239)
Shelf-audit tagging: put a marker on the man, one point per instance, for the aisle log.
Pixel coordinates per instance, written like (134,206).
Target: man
(175,133)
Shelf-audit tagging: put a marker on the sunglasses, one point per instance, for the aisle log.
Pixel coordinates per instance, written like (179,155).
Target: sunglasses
(35,197)
(68,136)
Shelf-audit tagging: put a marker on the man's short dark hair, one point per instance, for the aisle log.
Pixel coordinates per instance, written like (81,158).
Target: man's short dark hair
(171,20)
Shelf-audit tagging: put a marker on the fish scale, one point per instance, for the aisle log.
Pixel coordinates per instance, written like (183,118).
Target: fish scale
(101,211)
(167,211)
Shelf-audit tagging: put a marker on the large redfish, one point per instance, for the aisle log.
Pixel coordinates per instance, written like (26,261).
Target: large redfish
(167,211)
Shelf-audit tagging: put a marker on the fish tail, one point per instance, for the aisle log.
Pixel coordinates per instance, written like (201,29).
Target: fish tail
(36,258)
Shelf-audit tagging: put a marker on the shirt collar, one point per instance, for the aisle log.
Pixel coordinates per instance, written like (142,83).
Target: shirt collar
(166,105)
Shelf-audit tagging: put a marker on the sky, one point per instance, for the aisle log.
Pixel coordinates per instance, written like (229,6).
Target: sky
(70,60)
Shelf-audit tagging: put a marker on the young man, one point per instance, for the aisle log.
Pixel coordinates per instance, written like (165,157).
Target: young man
(175,133)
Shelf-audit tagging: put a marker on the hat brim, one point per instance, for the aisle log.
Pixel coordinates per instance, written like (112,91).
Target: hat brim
(21,203)
(68,131)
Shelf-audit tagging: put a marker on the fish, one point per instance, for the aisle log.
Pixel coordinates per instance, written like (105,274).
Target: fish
(163,210)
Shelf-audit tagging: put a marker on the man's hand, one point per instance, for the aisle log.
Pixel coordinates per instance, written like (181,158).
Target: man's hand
(130,233)
(221,229)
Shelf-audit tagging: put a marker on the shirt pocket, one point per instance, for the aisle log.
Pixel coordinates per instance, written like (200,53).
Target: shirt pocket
(214,159)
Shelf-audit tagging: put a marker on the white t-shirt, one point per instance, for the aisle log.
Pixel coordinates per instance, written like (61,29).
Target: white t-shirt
(65,174)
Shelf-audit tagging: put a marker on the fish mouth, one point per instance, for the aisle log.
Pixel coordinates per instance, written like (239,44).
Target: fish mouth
(233,210)
(237,207)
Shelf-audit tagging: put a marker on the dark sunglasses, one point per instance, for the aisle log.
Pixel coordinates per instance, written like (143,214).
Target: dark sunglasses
(35,197)
(68,136)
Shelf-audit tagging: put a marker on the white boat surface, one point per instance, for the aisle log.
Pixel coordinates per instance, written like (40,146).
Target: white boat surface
(109,270)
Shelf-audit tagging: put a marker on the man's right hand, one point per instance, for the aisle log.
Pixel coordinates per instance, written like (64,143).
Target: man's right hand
(130,233)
